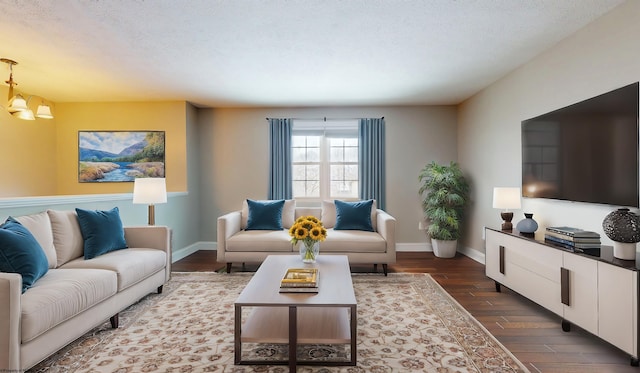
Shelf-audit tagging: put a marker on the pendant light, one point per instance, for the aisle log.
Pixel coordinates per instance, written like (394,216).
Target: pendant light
(17,105)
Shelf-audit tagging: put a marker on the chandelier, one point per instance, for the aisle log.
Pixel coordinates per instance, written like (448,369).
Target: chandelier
(17,105)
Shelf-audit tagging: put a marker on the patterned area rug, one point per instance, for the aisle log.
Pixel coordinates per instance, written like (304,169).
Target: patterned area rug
(406,322)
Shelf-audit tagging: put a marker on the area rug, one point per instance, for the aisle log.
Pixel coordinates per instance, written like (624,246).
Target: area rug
(406,322)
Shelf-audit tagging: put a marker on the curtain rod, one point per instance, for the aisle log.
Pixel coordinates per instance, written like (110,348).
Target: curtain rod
(322,119)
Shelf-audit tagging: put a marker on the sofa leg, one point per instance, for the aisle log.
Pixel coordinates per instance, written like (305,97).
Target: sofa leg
(115,320)
(228,267)
(160,289)
(385,269)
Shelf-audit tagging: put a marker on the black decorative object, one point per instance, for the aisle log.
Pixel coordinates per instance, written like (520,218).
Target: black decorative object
(623,227)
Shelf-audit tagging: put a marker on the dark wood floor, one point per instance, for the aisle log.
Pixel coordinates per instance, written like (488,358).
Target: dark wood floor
(530,332)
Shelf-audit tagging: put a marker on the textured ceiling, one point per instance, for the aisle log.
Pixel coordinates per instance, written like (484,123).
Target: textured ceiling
(278,52)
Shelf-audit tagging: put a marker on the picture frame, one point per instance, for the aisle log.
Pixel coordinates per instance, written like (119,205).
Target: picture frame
(120,156)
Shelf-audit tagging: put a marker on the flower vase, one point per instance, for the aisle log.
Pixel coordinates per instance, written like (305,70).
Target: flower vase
(309,251)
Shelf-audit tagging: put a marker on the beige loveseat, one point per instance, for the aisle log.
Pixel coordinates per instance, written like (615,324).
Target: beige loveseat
(75,295)
(361,247)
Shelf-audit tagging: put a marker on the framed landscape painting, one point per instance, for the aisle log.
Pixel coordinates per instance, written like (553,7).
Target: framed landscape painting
(119,156)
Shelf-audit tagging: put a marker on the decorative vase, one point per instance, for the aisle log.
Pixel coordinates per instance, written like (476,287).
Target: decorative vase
(309,250)
(527,225)
(623,227)
(444,248)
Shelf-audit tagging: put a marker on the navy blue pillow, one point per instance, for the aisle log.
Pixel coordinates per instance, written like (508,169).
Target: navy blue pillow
(102,231)
(353,215)
(265,215)
(21,253)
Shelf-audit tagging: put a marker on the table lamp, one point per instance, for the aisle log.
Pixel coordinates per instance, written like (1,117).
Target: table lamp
(150,191)
(506,198)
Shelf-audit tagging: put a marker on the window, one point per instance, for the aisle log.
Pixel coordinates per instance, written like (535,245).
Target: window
(325,160)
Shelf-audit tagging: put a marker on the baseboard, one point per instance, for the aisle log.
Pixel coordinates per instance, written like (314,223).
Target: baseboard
(473,254)
(408,247)
(188,250)
(400,247)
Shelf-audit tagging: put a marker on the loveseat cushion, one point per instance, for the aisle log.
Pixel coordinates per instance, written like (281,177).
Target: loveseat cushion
(346,241)
(21,253)
(60,295)
(131,266)
(102,231)
(265,215)
(260,241)
(353,215)
(288,214)
(40,227)
(67,237)
(328,214)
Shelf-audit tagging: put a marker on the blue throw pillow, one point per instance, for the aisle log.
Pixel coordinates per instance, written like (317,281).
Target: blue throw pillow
(265,215)
(21,253)
(102,231)
(354,215)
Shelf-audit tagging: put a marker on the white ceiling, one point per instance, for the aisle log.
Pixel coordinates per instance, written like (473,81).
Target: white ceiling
(278,52)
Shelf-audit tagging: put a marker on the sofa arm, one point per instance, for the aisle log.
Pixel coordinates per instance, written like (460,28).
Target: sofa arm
(387,229)
(228,225)
(10,292)
(151,237)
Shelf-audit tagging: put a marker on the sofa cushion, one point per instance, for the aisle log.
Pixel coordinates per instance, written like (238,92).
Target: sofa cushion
(260,241)
(131,266)
(60,295)
(102,231)
(351,241)
(353,215)
(328,215)
(265,215)
(67,237)
(21,253)
(288,214)
(40,227)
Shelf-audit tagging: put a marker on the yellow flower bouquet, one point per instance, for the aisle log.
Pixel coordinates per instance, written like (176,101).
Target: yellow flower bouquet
(310,231)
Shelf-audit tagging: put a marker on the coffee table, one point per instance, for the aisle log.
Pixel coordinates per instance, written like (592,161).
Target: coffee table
(326,317)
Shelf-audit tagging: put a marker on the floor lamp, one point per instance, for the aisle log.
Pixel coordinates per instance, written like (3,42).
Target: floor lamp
(506,198)
(150,191)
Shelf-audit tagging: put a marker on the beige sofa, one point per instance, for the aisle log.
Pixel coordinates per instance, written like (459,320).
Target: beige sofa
(75,295)
(250,246)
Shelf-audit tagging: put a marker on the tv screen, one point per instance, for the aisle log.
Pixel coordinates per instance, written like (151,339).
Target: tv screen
(586,152)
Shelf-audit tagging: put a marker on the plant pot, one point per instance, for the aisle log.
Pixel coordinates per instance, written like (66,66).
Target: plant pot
(444,248)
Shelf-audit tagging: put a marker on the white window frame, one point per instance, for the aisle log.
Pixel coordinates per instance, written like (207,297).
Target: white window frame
(326,130)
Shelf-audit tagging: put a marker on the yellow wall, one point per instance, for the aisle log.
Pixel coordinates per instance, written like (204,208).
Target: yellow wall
(27,154)
(138,116)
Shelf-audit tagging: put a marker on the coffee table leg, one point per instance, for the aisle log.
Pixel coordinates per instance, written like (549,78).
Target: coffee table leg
(354,334)
(293,337)
(236,334)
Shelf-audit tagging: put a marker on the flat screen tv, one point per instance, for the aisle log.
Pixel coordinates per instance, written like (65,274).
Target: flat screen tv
(586,152)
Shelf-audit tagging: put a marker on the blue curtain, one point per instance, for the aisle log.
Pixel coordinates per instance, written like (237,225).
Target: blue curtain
(280,180)
(372,159)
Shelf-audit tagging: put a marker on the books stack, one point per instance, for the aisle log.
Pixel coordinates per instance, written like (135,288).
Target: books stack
(300,280)
(574,239)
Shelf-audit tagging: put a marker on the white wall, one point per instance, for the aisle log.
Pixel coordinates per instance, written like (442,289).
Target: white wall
(235,153)
(601,57)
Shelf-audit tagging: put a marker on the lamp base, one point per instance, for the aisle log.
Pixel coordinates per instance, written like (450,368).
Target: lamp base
(506,224)
(152,215)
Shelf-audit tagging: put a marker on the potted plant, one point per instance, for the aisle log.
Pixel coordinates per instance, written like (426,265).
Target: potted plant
(445,193)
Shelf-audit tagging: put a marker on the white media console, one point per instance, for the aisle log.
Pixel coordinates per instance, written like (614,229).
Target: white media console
(597,293)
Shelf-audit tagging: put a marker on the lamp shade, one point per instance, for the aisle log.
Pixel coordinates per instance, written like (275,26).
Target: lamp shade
(149,190)
(506,198)
(24,115)
(44,111)
(17,103)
